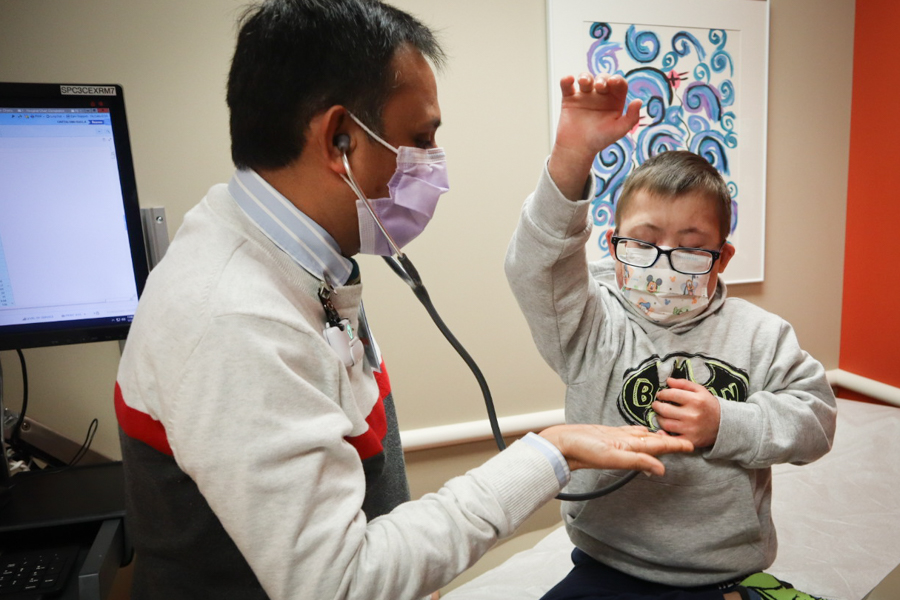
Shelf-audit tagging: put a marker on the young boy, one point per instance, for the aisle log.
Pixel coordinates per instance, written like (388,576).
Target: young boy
(650,338)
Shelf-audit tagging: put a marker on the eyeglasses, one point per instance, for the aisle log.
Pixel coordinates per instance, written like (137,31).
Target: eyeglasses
(638,253)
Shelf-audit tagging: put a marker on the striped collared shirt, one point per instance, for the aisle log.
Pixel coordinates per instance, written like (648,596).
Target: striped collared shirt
(290,229)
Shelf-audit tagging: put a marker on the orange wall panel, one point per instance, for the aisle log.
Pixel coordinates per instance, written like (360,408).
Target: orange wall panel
(870,321)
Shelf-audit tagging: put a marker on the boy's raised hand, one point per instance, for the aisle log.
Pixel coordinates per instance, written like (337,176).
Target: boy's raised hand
(590,120)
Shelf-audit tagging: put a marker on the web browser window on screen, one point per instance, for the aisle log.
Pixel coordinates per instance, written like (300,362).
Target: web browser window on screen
(64,246)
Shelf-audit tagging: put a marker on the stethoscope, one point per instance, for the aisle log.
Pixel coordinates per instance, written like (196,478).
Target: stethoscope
(404,268)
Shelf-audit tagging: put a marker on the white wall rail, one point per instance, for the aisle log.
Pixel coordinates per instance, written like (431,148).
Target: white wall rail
(863,385)
(476,431)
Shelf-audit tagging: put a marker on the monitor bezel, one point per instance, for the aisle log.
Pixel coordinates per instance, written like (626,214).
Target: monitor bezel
(50,95)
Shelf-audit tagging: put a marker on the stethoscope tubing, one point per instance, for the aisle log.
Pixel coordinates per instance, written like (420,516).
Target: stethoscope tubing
(404,268)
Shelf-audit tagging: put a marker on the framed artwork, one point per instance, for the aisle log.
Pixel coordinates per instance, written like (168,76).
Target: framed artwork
(700,68)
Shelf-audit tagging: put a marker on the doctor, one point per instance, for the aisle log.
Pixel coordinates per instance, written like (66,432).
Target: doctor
(257,424)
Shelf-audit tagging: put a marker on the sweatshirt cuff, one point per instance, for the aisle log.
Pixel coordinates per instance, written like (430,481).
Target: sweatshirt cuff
(523,479)
(739,430)
(557,460)
(562,217)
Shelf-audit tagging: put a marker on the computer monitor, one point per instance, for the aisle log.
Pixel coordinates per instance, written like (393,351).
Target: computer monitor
(72,255)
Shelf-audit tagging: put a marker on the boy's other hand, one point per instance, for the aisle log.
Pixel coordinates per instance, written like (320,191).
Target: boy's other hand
(591,119)
(690,410)
(604,447)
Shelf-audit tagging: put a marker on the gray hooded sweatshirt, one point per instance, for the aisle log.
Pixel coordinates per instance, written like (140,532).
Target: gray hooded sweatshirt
(708,519)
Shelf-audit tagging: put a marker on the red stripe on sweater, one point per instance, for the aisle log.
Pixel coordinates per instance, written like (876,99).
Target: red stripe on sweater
(141,426)
(384,382)
(369,444)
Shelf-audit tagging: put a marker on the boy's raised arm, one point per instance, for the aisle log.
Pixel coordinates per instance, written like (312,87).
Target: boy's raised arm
(546,264)
(592,117)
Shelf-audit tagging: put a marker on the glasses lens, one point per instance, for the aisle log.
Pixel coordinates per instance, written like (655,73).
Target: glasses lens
(636,254)
(692,261)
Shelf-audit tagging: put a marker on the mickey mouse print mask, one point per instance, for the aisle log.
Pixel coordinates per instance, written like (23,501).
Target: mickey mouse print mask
(663,295)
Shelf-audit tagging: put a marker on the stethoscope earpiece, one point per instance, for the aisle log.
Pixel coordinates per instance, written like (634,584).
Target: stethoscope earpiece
(342,142)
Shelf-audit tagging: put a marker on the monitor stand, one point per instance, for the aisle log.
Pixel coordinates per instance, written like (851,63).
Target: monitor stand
(4,463)
(4,478)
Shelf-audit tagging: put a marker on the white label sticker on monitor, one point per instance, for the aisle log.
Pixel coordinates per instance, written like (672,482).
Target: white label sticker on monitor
(87,90)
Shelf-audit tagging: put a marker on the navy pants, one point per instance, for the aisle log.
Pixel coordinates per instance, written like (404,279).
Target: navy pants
(591,580)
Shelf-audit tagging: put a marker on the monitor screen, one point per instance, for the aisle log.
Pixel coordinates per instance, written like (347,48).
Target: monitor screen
(72,257)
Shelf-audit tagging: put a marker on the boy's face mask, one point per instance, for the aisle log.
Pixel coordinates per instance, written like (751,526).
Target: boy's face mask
(664,295)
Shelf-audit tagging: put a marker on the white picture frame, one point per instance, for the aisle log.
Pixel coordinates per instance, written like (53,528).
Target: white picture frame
(701,68)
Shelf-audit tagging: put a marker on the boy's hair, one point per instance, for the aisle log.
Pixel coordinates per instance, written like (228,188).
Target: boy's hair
(676,172)
(297,58)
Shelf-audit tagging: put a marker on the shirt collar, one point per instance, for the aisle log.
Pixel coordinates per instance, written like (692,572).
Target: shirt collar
(290,229)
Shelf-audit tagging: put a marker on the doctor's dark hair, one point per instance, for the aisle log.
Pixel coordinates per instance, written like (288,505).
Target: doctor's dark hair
(297,58)
(674,173)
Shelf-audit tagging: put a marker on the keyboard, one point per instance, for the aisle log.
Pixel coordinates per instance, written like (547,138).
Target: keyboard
(35,573)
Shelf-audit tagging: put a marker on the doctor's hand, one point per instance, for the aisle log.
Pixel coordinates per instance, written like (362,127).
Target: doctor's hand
(690,410)
(602,447)
(591,119)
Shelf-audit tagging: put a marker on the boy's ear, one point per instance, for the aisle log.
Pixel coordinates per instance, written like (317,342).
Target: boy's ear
(609,233)
(727,253)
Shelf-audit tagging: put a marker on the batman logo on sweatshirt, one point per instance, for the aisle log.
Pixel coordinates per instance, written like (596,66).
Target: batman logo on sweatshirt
(641,384)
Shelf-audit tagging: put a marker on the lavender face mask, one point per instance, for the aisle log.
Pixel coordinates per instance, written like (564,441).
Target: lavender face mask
(416,186)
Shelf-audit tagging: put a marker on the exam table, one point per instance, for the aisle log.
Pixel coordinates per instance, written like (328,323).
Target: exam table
(838,520)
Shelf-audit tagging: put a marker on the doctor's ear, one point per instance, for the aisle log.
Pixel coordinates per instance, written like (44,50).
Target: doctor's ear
(332,137)
(337,147)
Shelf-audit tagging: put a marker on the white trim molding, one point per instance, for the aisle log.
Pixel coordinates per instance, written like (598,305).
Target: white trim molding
(516,425)
(476,431)
(863,385)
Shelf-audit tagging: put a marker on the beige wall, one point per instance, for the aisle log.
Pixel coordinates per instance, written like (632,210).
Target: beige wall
(172,57)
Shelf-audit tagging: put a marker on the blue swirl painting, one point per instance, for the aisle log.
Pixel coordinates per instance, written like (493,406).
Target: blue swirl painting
(685,80)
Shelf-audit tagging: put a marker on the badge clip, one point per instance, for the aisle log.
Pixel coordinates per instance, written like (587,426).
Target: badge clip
(339,332)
